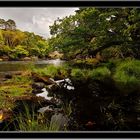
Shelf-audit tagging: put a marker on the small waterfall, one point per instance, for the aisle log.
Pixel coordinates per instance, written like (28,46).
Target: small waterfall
(44,94)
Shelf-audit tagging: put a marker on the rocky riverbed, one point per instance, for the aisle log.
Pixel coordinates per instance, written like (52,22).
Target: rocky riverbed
(20,88)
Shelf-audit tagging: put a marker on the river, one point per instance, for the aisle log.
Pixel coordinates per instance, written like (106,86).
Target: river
(7,66)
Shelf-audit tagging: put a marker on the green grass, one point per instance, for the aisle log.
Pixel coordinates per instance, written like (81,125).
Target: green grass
(52,71)
(100,73)
(14,90)
(30,122)
(78,73)
(25,121)
(127,76)
(96,74)
(19,85)
(19,79)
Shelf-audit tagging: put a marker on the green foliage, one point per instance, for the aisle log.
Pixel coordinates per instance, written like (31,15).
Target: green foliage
(67,108)
(1,39)
(27,121)
(15,90)
(79,74)
(13,38)
(5,50)
(19,52)
(92,30)
(36,45)
(112,52)
(43,48)
(96,74)
(19,80)
(52,71)
(17,44)
(100,73)
(127,76)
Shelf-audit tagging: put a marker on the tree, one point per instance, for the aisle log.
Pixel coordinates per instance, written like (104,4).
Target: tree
(92,30)
(13,38)
(10,25)
(2,23)
(17,44)
(7,25)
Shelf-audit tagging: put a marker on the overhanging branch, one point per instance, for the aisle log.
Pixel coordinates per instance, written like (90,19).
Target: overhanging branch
(107,45)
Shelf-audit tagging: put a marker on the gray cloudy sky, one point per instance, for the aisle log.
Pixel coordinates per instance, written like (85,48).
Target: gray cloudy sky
(35,20)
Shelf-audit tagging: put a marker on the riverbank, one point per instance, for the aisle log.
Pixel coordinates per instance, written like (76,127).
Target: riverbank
(95,98)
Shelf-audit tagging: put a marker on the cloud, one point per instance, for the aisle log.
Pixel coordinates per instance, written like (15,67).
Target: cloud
(35,20)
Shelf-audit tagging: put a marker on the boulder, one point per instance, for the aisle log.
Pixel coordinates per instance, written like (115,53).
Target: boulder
(38,85)
(45,79)
(55,54)
(5,58)
(58,122)
(26,59)
(34,58)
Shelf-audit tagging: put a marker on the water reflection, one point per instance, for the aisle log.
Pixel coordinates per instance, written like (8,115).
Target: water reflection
(23,65)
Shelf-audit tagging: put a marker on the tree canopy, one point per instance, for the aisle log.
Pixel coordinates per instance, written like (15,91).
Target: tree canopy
(93,30)
(110,32)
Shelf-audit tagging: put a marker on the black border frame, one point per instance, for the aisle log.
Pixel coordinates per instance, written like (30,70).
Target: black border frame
(67,3)
(69,135)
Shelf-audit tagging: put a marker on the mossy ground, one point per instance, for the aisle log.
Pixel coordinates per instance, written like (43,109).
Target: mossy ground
(18,85)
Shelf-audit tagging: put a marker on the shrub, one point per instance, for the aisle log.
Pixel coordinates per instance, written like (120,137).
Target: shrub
(18,52)
(100,73)
(127,76)
(78,74)
(4,50)
(95,74)
(92,61)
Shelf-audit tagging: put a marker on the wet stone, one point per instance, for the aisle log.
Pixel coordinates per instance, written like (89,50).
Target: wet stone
(59,120)
(8,76)
(38,85)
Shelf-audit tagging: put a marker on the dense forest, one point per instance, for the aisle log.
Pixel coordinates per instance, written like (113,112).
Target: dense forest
(98,86)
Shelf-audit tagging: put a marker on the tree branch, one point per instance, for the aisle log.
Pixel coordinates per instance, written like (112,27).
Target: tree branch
(107,45)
